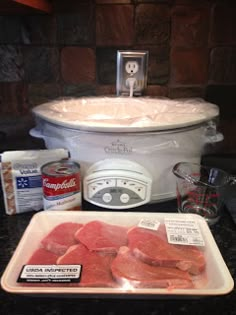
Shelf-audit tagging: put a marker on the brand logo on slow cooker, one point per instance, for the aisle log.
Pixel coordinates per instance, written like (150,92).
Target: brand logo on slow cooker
(118,147)
(66,184)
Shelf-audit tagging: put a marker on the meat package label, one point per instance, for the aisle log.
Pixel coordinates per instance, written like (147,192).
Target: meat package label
(50,273)
(184,232)
(149,224)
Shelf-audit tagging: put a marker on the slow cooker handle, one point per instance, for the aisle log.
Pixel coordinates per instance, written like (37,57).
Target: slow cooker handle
(218,137)
(212,135)
(35,132)
(232,180)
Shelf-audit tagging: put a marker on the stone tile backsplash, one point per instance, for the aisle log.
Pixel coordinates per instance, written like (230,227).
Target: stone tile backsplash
(191,44)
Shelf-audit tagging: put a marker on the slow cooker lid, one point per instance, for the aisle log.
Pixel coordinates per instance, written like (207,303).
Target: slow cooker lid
(126,114)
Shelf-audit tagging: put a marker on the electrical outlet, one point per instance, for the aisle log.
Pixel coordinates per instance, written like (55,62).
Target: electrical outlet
(131,72)
(131,67)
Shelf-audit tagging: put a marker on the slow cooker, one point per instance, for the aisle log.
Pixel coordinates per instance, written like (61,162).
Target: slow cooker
(127,147)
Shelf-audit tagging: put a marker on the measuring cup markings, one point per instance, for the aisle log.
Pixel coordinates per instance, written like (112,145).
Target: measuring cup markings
(203,198)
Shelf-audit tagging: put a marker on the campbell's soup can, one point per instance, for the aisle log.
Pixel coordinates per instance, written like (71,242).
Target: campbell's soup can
(61,185)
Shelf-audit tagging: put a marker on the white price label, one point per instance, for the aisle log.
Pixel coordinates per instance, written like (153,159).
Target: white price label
(184,232)
(149,224)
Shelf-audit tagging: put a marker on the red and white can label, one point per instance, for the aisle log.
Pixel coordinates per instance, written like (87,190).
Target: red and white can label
(61,186)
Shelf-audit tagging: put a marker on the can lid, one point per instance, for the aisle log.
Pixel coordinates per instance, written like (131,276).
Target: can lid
(60,168)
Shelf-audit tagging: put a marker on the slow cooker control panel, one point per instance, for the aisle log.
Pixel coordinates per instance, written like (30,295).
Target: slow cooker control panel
(117,184)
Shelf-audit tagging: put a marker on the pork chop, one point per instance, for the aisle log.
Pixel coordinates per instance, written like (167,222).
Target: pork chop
(101,236)
(95,266)
(61,237)
(130,272)
(42,257)
(153,248)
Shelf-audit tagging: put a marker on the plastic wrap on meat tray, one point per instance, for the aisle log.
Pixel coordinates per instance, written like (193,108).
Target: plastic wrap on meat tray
(132,253)
(113,255)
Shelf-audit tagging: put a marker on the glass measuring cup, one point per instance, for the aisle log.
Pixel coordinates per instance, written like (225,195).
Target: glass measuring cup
(201,189)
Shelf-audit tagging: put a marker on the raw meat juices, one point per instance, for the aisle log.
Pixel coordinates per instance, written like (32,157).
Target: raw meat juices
(61,185)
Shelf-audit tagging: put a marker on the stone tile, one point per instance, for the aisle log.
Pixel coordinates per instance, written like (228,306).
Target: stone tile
(78,65)
(157,90)
(10,30)
(39,29)
(223,24)
(158,63)
(106,65)
(158,68)
(13,99)
(113,1)
(189,66)
(106,90)
(228,128)
(155,1)
(78,27)
(223,65)
(193,2)
(16,129)
(62,6)
(41,64)
(190,26)
(114,25)
(39,93)
(225,97)
(11,64)
(186,91)
(18,138)
(77,90)
(152,24)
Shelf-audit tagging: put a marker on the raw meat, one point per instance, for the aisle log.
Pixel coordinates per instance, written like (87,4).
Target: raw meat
(131,272)
(101,236)
(42,257)
(152,247)
(61,237)
(95,266)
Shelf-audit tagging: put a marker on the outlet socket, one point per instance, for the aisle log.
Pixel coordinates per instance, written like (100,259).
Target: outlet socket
(131,64)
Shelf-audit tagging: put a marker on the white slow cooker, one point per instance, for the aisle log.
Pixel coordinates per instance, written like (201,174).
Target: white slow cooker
(127,147)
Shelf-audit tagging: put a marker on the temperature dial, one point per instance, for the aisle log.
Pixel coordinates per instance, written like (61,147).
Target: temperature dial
(117,184)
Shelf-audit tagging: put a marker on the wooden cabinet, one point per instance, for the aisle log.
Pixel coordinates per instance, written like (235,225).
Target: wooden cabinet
(25,6)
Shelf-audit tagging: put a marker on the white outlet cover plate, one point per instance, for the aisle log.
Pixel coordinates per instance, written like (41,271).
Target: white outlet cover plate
(131,64)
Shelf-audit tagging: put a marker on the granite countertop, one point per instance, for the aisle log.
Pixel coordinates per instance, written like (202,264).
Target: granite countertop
(12,228)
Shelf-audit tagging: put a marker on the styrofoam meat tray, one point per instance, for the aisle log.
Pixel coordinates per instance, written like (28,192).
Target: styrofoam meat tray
(219,280)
